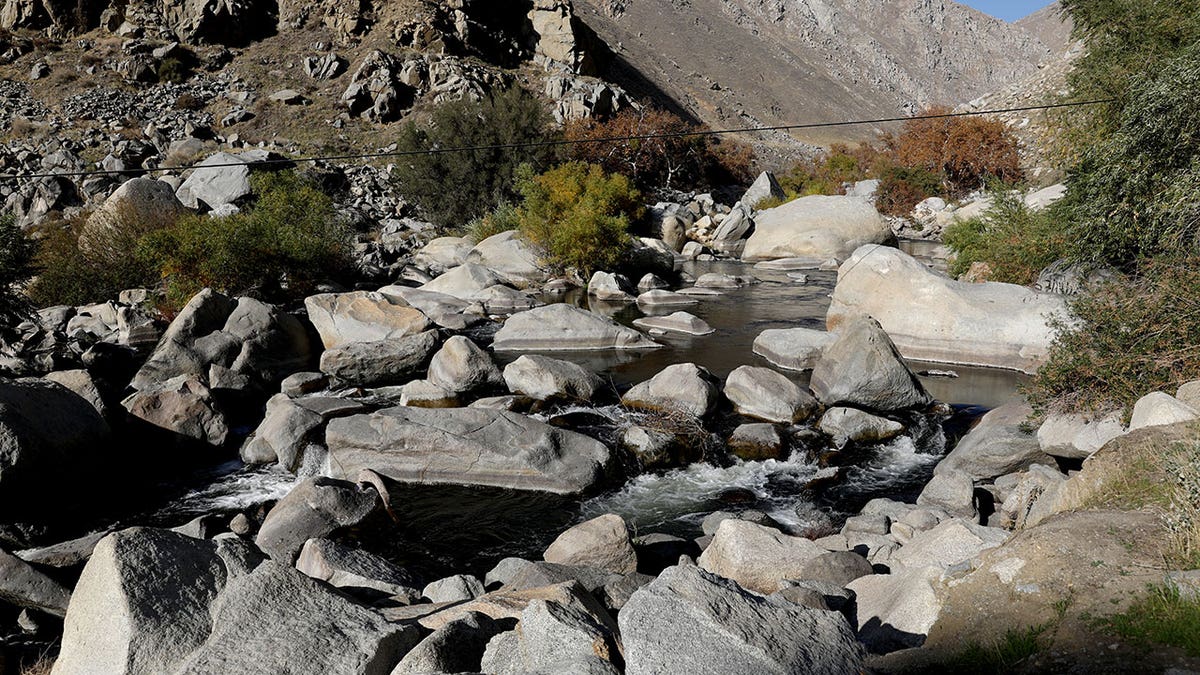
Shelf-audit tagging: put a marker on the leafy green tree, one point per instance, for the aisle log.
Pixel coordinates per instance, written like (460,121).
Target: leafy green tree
(454,188)
(1136,193)
(17,267)
(579,216)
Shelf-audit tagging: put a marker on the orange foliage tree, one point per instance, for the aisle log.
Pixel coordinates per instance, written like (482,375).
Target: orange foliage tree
(965,151)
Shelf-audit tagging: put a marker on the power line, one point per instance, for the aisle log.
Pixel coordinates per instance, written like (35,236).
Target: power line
(553,143)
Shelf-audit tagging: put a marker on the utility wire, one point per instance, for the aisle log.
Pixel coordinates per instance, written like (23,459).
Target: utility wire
(553,143)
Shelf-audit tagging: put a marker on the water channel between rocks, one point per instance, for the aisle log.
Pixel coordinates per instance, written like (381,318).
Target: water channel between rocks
(468,529)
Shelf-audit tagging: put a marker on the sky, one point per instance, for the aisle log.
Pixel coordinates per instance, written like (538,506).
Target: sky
(1009,10)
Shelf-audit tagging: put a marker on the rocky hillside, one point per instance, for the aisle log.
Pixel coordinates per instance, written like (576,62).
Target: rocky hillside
(736,62)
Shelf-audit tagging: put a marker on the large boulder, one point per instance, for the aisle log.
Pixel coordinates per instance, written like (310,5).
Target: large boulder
(383,362)
(897,611)
(683,388)
(277,620)
(545,379)
(565,328)
(466,446)
(183,406)
(601,542)
(862,368)
(23,586)
(355,570)
(757,557)
(1160,409)
(141,203)
(467,282)
(553,638)
(764,187)
(853,425)
(445,310)
(250,339)
(511,258)
(690,621)
(931,317)
(142,602)
(792,348)
(1076,436)
(823,227)
(456,647)
(444,252)
(218,180)
(290,426)
(315,508)
(361,316)
(1001,443)
(460,367)
(764,394)
(49,435)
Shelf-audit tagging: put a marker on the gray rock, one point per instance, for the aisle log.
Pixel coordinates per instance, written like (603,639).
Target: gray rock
(355,570)
(679,322)
(457,588)
(213,185)
(23,586)
(460,366)
(764,187)
(543,378)
(361,316)
(1077,436)
(289,426)
(445,252)
(466,282)
(182,405)
(467,446)
(764,394)
(66,554)
(601,542)
(48,435)
(684,388)
(609,287)
(553,638)
(315,508)
(143,202)
(511,258)
(390,361)
(757,557)
(824,227)
(753,442)
(953,491)
(836,567)
(123,620)
(562,327)
(652,282)
(850,424)
(456,647)
(690,621)
(323,631)
(1160,409)
(444,310)
(300,384)
(661,298)
(862,368)
(425,394)
(792,348)
(896,611)
(951,543)
(999,444)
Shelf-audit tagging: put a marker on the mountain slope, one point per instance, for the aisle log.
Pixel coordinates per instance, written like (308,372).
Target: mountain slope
(1050,25)
(745,62)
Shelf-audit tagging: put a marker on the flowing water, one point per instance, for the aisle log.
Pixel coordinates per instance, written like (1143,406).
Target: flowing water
(468,529)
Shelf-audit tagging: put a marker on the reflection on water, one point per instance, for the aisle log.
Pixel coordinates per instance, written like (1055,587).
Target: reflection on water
(739,315)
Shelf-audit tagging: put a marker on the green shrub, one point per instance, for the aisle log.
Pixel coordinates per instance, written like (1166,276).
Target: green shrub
(579,216)
(79,269)
(279,248)
(1131,336)
(174,70)
(16,268)
(1163,617)
(1136,193)
(1014,240)
(902,188)
(503,219)
(454,188)
(1001,656)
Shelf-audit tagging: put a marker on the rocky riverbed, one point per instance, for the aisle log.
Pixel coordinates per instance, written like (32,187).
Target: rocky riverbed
(715,465)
